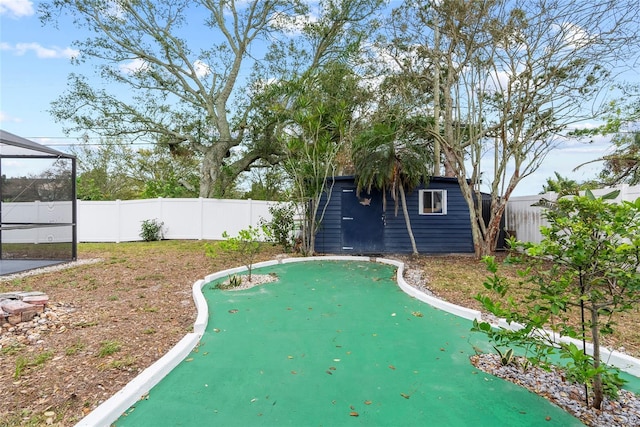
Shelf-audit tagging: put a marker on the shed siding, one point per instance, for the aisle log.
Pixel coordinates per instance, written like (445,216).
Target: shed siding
(329,235)
(450,233)
(435,234)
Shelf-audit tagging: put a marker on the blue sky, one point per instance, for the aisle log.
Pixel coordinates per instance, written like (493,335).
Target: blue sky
(35,61)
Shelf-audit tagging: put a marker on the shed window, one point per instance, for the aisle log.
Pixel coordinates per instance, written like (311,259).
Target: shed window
(433,202)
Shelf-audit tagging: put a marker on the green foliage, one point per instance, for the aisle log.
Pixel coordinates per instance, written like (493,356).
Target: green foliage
(623,165)
(152,230)
(105,170)
(281,228)
(201,112)
(507,358)
(75,348)
(581,370)
(109,347)
(246,245)
(23,363)
(11,349)
(113,170)
(233,281)
(269,184)
(565,186)
(393,156)
(587,266)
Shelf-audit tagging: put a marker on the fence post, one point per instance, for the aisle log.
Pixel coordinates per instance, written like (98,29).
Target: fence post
(201,204)
(624,192)
(119,222)
(161,210)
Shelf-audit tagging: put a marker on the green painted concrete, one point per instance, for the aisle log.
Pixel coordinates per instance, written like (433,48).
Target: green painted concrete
(328,341)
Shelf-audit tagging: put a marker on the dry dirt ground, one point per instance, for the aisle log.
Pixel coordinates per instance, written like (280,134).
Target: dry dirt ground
(116,316)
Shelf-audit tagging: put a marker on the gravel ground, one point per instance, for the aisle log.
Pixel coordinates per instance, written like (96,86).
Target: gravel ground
(624,412)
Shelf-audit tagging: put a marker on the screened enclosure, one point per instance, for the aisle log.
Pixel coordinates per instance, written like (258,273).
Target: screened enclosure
(37,205)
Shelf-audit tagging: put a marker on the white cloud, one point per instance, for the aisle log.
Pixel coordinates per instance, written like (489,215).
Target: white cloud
(573,36)
(292,25)
(16,8)
(5,118)
(40,51)
(134,66)
(202,69)
(114,10)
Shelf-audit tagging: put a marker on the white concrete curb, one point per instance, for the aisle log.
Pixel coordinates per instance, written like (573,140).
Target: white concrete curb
(624,362)
(110,410)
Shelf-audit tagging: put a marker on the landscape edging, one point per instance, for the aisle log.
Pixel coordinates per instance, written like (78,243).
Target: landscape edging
(110,410)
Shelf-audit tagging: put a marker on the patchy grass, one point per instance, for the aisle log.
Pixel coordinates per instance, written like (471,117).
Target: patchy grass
(23,362)
(75,348)
(127,362)
(107,348)
(162,273)
(458,279)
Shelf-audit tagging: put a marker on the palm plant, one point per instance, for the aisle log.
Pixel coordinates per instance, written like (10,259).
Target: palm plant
(392,158)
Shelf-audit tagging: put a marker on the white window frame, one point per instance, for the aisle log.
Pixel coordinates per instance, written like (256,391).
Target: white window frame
(429,193)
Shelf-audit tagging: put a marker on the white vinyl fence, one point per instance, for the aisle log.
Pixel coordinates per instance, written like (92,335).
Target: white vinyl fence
(526,220)
(121,220)
(196,219)
(207,219)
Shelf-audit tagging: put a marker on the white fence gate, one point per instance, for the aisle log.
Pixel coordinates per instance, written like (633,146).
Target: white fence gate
(526,220)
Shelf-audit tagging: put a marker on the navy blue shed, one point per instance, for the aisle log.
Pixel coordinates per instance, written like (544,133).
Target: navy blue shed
(357,224)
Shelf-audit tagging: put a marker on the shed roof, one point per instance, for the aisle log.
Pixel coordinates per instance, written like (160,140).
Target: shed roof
(451,179)
(15,146)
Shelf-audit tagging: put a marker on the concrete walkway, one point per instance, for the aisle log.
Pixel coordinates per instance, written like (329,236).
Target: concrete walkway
(335,343)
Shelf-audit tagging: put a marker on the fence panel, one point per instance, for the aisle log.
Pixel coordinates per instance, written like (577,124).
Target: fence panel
(98,221)
(526,220)
(121,220)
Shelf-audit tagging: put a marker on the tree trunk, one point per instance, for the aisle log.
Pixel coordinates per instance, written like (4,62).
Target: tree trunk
(407,221)
(476,232)
(597,379)
(311,242)
(208,175)
(490,240)
(212,181)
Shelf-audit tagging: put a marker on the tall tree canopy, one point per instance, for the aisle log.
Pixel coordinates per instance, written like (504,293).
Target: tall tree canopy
(622,165)
(191,93)
(317,114)
(511,78)
(393,158)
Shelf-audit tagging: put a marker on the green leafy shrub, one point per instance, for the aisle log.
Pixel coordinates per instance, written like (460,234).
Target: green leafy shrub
(152,230)
(232,281)
(246,245)
(585,270)
(282,225)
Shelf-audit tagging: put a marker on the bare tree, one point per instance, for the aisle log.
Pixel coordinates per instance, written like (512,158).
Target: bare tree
(512,78)
(189,92)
